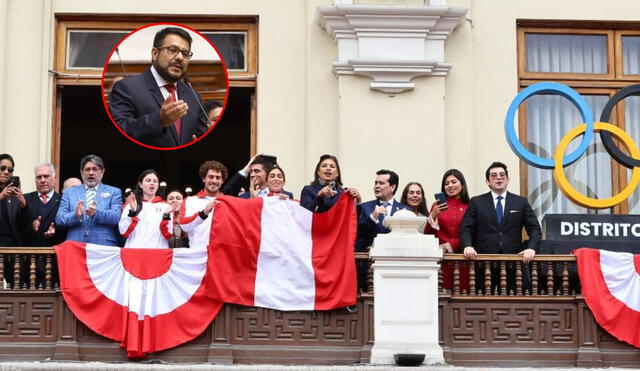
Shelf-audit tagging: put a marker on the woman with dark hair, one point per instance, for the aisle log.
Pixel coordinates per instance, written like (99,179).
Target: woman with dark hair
(178,237)
(413,196)
(146,219)
(444,222)
(275,183)
(326,187)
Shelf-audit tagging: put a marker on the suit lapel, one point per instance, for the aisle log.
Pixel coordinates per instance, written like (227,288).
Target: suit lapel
(153,88)
(491,209)
(508,206)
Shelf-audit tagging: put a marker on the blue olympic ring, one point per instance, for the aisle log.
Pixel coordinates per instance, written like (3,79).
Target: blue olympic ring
(565,91)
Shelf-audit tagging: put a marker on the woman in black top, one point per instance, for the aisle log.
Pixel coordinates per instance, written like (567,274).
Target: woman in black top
(326,187)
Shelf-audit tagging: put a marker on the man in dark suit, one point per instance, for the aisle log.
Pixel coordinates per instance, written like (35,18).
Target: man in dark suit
(372,213)
(256,172)
(156,107)
(40,215)
(493,222)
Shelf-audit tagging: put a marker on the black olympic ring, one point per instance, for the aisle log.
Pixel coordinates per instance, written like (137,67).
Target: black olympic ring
(605,135)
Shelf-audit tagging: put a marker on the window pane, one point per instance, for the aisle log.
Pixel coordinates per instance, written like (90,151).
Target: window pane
(631,55)
(566,53)
(232,47)
(90,49)
(549,118)
(632,125)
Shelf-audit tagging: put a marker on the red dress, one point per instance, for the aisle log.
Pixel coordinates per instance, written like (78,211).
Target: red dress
(449,231)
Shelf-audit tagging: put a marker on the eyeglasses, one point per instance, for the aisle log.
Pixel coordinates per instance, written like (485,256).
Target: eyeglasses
(173,51)
(6,168)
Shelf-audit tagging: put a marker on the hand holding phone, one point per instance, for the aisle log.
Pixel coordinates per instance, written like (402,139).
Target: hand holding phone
(14,181)
(441,205)
(441,199)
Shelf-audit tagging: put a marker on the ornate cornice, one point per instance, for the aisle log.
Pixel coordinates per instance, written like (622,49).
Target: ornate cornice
(390,44)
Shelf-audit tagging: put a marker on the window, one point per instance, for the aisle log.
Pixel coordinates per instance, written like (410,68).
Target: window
(596,62)
(89,49)
(83,44)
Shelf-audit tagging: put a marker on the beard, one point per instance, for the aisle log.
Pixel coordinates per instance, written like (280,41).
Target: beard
(164,72)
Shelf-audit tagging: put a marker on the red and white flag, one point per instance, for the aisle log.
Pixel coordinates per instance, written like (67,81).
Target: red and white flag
(147,299)
(611,288)
(273,253)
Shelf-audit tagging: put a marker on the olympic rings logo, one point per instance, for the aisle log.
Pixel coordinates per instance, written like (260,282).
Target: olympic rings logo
(587,130)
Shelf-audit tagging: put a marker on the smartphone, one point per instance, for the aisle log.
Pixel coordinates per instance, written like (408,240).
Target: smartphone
(441,199)
(270,159)
(15,181)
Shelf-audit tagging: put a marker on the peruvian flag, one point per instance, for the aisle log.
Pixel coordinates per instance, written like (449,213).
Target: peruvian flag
(146,299)
(273,253)
(611,288)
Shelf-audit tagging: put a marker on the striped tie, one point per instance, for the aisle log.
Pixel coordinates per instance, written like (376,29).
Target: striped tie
(90,196)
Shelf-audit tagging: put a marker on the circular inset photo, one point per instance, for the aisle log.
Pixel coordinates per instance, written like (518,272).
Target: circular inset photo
(165,86)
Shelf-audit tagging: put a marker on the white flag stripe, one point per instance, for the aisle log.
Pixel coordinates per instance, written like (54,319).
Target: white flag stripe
(150,297)
(621,278)
(285,278)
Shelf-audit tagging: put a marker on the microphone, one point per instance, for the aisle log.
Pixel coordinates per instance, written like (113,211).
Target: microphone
(121,64)
(186,80)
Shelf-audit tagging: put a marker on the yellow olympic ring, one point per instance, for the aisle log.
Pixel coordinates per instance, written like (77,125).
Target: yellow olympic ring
(572,193)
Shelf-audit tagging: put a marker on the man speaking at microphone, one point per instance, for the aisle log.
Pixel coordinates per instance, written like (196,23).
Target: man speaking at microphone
(156,107)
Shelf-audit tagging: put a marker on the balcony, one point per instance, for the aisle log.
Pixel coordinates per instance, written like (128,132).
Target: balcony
(510,321)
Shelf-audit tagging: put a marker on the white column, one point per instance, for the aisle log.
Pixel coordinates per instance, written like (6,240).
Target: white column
(405,286)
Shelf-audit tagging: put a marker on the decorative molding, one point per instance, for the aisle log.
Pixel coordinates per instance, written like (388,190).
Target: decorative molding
(390,44)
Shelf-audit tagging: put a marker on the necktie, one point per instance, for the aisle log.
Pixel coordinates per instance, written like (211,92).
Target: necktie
(384,204)
(172,90)
(499,210)
(43,197)
(90,196)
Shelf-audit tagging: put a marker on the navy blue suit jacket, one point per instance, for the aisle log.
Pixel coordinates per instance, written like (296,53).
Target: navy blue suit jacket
(367,228)
(309,198)
(47,213)
(134,104)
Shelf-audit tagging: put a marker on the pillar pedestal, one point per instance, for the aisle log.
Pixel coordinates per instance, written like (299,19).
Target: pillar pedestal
(405,281)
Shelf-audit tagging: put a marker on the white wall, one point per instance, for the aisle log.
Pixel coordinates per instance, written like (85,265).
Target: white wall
(303,109)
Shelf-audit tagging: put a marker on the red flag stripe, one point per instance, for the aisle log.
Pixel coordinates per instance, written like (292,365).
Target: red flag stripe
(233,253)
(612,314)
(334,234)
(114,321)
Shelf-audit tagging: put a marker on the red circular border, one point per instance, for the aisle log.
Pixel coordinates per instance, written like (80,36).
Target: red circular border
(104,102)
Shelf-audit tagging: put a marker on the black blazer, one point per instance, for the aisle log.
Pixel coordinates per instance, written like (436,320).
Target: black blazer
(480,229)
(233,185)
(16,220)
(48,214)
(134,104)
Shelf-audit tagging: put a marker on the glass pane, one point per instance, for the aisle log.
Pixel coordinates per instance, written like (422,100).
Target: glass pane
(90,49)
(631,55)
(566,53)
(549,118)
(632,125)
(232,46)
